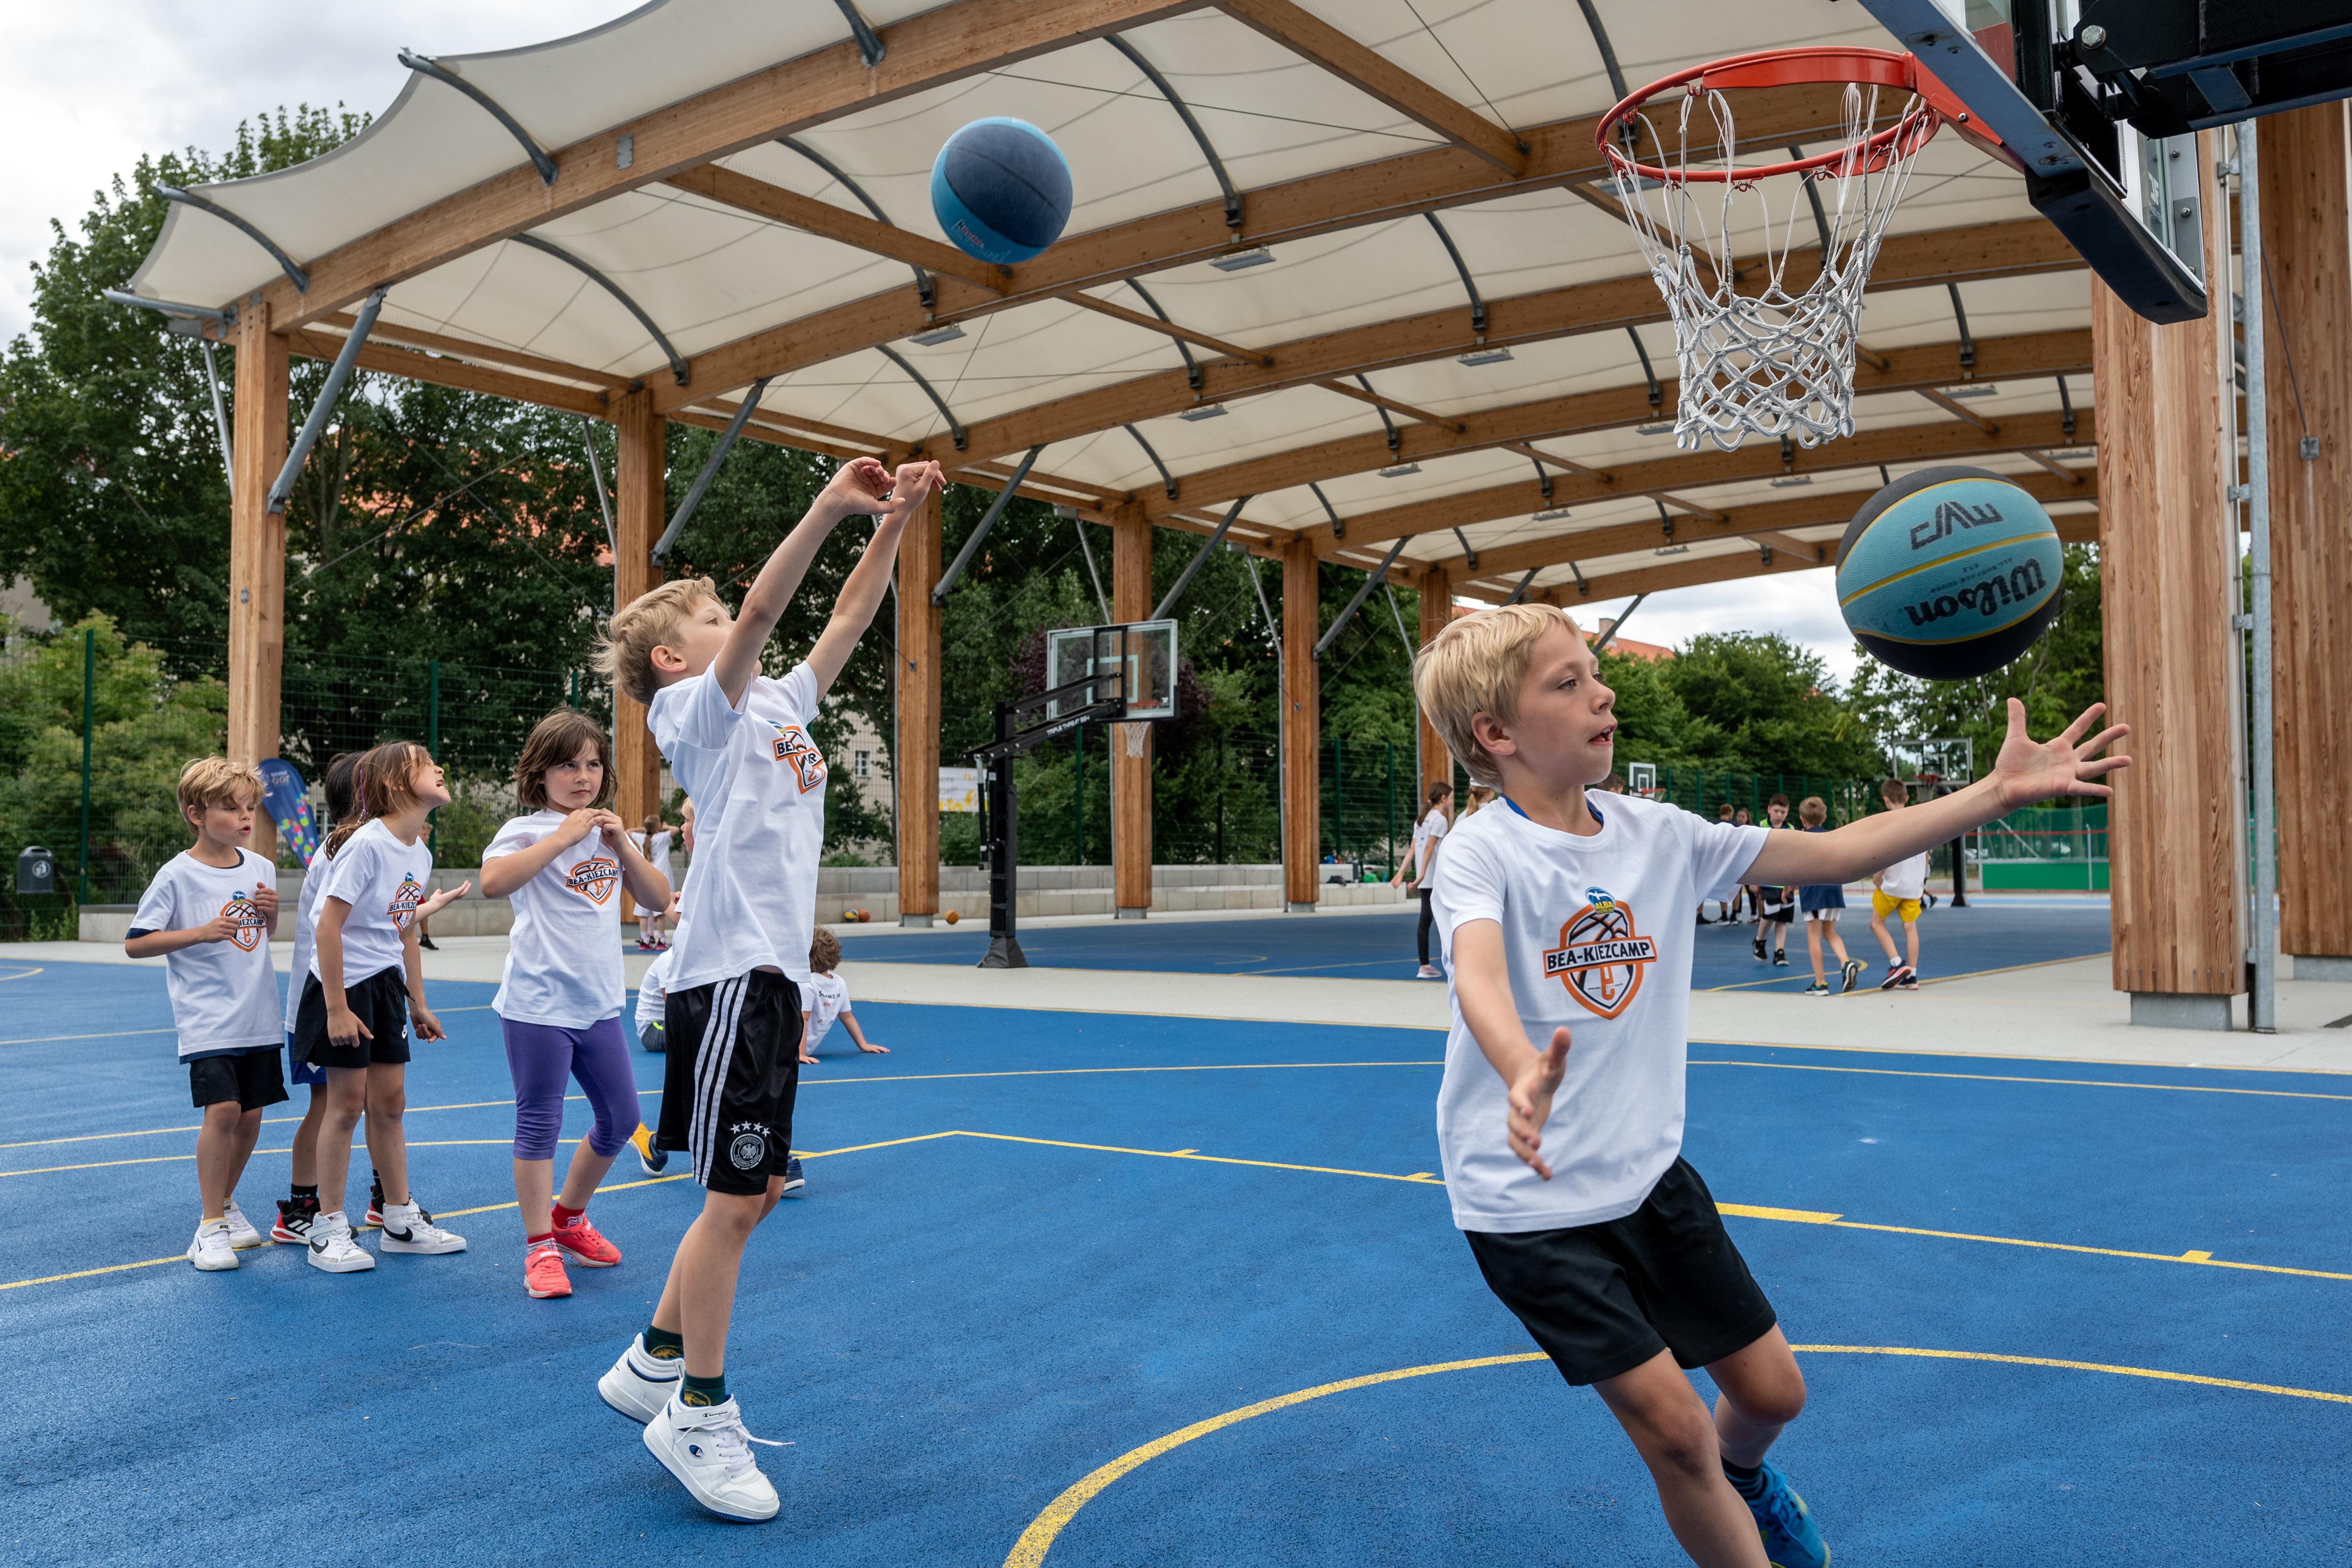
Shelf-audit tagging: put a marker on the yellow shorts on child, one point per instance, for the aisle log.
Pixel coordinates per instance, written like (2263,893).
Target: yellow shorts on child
(1882,906)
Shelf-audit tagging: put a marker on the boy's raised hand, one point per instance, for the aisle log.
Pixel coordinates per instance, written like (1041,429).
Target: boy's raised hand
(857,486)
(1531,1102)
(913,482)
(2028,770)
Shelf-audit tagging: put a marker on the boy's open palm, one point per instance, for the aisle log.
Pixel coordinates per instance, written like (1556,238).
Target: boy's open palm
(1531,1102)
(443,900)
(2028,770)
(858,486)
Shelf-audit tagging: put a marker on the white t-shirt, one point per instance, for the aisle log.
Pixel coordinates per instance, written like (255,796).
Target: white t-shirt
(1906,878)
(563,956)
(758,782)
(384,881)
(224,993)
(825,999)
(306,936)
(657,852)
(653,994)
(1598,935)
(1429,831)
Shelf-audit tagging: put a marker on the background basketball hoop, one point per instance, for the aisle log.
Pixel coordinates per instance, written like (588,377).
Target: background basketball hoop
(1776,360)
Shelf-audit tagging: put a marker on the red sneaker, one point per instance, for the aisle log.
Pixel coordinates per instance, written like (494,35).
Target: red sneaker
(542,1271)
(580,1243)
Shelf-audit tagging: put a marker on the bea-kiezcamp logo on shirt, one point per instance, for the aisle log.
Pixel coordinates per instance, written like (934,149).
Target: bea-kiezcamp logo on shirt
(247,916)
(402,911)
(594,878)
(1600,956)
(792,746)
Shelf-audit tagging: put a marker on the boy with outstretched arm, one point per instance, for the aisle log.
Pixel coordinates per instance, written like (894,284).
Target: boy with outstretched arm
(1565,1170)
(739,742)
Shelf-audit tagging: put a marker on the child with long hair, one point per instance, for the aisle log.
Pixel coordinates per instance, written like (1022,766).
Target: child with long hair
(365,990)
(558,1004)
(653,843)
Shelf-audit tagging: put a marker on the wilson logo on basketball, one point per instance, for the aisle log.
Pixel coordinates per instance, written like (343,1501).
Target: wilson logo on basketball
(2021,585)
(249,922)
(594,878)
(401,909)
(1950,518)
(1600,956)
(793,747)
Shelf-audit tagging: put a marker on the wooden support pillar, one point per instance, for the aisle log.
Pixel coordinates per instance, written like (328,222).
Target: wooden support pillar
(641,478)
(257,552)
(915,749)
(1302,727)
(2169,584)
(1436,611)
(2307,237)
(1130,744)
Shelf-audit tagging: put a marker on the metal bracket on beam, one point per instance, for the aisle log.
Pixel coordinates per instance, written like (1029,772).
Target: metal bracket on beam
(1959,315)
(1616,626)
(1339,523)
(1469,550)
(926,288)
(1167,479)
(220,419)
(869,42)
(695,492)
(955,430)
(337,375)
(1665,522)
(1192,366)
(1543,476)
(286,264)
(424,65)
(987,521)
(1377,576)
(1582,587)
(1657,392)
(222,319)
(1185,112)
(1192,567)
(1528,581)
(1477,305)
(1396,441)
(677,366)
(2065,412)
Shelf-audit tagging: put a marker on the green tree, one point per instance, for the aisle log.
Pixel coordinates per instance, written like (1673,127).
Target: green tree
(1759,703)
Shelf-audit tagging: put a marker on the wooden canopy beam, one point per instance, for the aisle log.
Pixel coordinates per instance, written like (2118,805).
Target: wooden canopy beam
(442,370)
(485,353)
(811,216)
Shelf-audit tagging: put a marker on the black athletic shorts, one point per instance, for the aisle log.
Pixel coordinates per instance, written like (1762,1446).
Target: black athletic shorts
(1603,1298)
(729,1076)
(252,1078)
(380,1002)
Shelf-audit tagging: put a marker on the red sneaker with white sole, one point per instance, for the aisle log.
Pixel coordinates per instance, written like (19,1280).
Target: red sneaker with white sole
(584,1247)
(542,1271)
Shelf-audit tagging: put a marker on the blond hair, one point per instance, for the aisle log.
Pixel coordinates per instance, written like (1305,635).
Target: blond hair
(626,654)
(1475,665)
(216,780)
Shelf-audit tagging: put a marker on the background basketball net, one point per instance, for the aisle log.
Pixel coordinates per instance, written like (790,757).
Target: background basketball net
(1765,325)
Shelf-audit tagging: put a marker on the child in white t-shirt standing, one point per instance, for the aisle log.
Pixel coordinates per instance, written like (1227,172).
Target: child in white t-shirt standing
(739,742)
(1428,836)
(1897,890)
(300,1205)
(209,914)
(653,843)
(1565,1172)
(566,867)
(366,986)
(826,1000)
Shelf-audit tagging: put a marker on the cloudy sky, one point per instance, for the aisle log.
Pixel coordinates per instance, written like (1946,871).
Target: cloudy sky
(85,88)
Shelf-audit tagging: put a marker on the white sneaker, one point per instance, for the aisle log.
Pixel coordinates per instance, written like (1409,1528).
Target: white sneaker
(333,1249)
(210,1250)
(408,1228)
(639,1386)
(705,1448)
(1430,972)
(241,1234)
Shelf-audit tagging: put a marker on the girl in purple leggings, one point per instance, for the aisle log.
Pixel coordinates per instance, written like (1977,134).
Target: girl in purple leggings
(566,867)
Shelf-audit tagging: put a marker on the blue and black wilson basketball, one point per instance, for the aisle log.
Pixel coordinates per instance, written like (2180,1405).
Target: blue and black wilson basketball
(1948,574)
(1001,189)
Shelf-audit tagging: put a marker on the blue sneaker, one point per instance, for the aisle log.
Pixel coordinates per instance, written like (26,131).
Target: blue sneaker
(1787,1525)
(794,1181)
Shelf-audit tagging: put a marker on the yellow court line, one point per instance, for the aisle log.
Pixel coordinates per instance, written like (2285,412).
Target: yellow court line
(266,1121)
(1030,1549)
(25,974)
(2018,1078)
(1419,1181)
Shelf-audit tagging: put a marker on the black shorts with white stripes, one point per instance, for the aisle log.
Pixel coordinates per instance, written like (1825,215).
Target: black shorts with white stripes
(731,1077)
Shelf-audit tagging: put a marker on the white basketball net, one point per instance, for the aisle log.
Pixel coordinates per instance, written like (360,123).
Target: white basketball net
(1768,362)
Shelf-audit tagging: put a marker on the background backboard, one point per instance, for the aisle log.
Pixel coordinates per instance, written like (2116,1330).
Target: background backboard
(1145,650)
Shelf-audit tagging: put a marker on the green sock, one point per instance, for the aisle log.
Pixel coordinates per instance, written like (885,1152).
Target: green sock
(703,1389)
(662,1345)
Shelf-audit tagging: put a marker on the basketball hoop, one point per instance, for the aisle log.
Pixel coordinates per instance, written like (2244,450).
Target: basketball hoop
(1776,361)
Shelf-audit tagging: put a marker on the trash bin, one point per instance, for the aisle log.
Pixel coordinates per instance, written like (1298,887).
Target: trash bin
(37,870)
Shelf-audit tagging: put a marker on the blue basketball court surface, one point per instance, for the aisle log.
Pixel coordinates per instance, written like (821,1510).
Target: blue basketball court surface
(1083,1288)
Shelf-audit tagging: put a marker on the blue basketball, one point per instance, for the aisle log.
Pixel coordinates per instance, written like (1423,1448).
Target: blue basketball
(1948,574)
(1001,189)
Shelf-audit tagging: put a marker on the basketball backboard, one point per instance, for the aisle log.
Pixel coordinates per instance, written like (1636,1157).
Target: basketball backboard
(1144,651)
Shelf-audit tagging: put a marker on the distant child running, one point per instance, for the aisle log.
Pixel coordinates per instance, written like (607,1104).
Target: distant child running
(739,742)
(209,914)
(300,1205)
(827,999)
(1562,908)
(366,984)
(1420,864)
(1897,891)
(1821,903)
(566,867)
(653,843)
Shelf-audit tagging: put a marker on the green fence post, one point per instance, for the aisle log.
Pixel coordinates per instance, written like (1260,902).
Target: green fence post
(432,741)
(1388,853)
(1221,797)
(1078,799)
(89,698)
(1339,797)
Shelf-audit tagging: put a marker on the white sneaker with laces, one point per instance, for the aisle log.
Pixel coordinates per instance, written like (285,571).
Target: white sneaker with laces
(639,1384)
(706,1448)
(408,1228)
(241,1234)
(1429,972)
(210,1250)
(333,1249)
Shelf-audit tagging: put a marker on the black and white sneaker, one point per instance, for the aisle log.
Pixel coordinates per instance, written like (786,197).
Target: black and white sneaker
(1759,944)
(333,1249)
(408,1228)
(794,1180)
(1896,976)
(1780,959)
